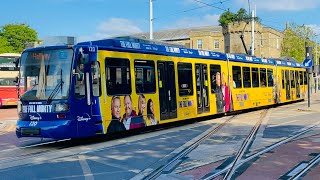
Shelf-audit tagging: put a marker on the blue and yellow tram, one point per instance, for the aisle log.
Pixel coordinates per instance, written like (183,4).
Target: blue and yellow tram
(114,85)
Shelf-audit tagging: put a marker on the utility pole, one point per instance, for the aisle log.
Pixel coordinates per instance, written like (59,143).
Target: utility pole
(309,70)
(252,33)
(316,68)
(151,19)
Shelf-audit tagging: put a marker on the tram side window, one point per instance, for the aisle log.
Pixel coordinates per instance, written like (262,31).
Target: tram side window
(263,75)
(296,74)
(96,78)
(283,79)
(292,79)
(185,79)
(305,79)
(270,77)
(255,77)
(301,78)
(145,76)
(246,77)
(118,76)
(215,73)
(79,89)
(236,76)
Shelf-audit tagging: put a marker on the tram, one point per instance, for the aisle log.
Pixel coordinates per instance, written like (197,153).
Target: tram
(113,85)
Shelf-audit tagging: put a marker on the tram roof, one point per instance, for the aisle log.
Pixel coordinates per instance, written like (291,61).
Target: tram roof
(152,47)
(137,45)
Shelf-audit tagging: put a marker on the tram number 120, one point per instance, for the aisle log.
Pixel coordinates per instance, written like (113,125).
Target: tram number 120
(33,123)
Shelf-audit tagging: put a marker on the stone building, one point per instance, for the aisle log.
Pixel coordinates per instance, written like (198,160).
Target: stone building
(224,39)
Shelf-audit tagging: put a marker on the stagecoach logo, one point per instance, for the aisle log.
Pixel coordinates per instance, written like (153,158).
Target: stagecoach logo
(83,118)
(35,117)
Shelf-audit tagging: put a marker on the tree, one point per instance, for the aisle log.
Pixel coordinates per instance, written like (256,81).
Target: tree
(242,15)
(295,38)
(229,17)
(17,35)
(4,46)
(226,18)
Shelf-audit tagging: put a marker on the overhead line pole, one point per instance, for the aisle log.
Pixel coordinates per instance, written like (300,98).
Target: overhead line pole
(252,33)
(151,19)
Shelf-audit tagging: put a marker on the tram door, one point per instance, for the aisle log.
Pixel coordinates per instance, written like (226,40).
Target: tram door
(202,88)
(288,97)
(167,90)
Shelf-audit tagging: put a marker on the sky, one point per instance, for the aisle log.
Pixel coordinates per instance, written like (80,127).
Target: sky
(98,19)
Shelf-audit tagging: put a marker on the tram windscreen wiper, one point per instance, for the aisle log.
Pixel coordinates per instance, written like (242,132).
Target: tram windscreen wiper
(56,89)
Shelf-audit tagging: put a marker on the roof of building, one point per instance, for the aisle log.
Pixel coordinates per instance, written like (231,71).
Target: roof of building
(177,34)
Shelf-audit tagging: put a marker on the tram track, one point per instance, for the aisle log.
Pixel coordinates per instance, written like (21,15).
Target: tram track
(43,151)
(190,146)
(231,167)
(303,171)
(245,146)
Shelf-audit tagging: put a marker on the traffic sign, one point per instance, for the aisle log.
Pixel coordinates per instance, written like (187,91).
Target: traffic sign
(308,63)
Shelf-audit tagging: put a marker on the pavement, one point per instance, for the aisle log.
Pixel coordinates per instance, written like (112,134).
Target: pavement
(280,163)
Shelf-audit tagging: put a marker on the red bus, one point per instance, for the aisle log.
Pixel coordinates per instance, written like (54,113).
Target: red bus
(8,74)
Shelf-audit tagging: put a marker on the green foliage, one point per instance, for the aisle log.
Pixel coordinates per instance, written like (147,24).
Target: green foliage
(226,18)
(229,17)
(17,35)
(5,46)
(295,38)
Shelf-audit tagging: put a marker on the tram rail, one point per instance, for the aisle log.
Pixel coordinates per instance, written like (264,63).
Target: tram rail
(263,151)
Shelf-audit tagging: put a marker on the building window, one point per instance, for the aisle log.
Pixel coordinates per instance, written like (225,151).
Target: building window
(185,79)
(145,76)
(118,76)
(277,43)
(199,42)
(216,44)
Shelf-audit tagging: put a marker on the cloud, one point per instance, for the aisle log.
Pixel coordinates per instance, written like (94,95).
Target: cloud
(315,28)
(283,5)
(206,20)
(112,27)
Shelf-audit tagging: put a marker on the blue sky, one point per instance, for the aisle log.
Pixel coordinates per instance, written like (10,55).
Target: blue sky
(96,19)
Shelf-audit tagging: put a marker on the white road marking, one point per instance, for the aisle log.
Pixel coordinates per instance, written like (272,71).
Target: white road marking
(85,168)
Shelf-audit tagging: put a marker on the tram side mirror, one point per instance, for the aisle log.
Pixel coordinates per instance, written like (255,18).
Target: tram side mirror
(16,62)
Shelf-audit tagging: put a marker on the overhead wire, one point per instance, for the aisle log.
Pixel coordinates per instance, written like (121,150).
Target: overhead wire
(195,8)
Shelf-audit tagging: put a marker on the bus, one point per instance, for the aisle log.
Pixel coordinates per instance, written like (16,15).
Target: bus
(8,75)
(107,86)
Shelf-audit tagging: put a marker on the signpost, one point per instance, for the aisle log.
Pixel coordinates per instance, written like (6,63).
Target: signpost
(308,63)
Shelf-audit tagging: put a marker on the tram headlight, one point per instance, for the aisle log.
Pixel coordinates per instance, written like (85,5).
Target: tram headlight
(61,107)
